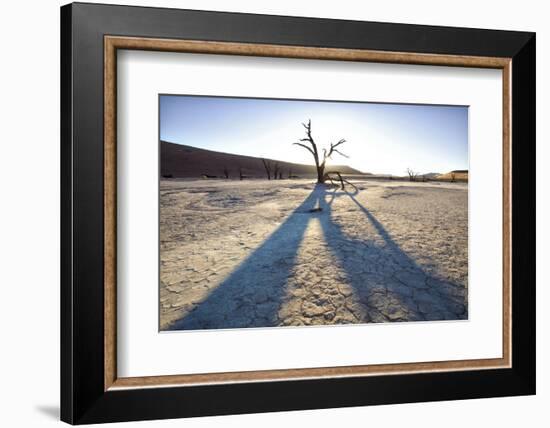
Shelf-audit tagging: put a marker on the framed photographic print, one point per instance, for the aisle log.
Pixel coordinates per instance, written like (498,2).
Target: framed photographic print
(265,213)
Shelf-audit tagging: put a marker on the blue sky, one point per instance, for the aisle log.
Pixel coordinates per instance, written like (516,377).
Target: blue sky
(381,138)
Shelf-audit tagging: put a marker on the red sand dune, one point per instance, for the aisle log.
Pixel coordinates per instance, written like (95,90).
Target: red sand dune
(180,161)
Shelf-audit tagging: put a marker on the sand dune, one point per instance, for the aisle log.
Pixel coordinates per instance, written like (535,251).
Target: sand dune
(180,161)
(458,175)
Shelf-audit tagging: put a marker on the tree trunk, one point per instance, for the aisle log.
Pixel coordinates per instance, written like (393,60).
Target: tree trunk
(320,174)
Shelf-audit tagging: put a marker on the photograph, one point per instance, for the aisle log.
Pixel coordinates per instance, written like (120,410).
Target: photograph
(290,212)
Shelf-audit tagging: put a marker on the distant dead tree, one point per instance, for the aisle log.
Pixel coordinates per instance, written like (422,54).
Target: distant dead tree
(267,166)
(241,176)
(275,170)
(412,174)
(225,172)
(311,147)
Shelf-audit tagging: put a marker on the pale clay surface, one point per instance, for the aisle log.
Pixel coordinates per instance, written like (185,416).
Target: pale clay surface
(251,254)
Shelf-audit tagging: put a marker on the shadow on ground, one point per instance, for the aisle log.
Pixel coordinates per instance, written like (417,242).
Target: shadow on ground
(386,284)
(51,412)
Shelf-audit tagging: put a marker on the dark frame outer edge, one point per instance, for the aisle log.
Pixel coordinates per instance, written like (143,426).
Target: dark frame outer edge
(66,316)
(524,213)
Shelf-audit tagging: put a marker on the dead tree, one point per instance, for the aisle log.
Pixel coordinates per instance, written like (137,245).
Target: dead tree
(267,166)
(309,144)
(225,172)
(276,171)
(241,176)
(412,175)
(328,176)
(272,169)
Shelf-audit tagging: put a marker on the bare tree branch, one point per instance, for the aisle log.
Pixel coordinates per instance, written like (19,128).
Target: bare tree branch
(333,149)
(341,154)
(341,179)
(305,147)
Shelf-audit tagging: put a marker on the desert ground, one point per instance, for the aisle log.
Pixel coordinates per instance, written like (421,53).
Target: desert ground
(259,253)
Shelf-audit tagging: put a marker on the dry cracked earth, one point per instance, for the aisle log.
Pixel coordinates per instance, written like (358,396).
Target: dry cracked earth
(289,253)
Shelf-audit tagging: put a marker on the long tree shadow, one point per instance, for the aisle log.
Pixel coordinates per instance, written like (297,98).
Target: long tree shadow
(387,284)
(252,294)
